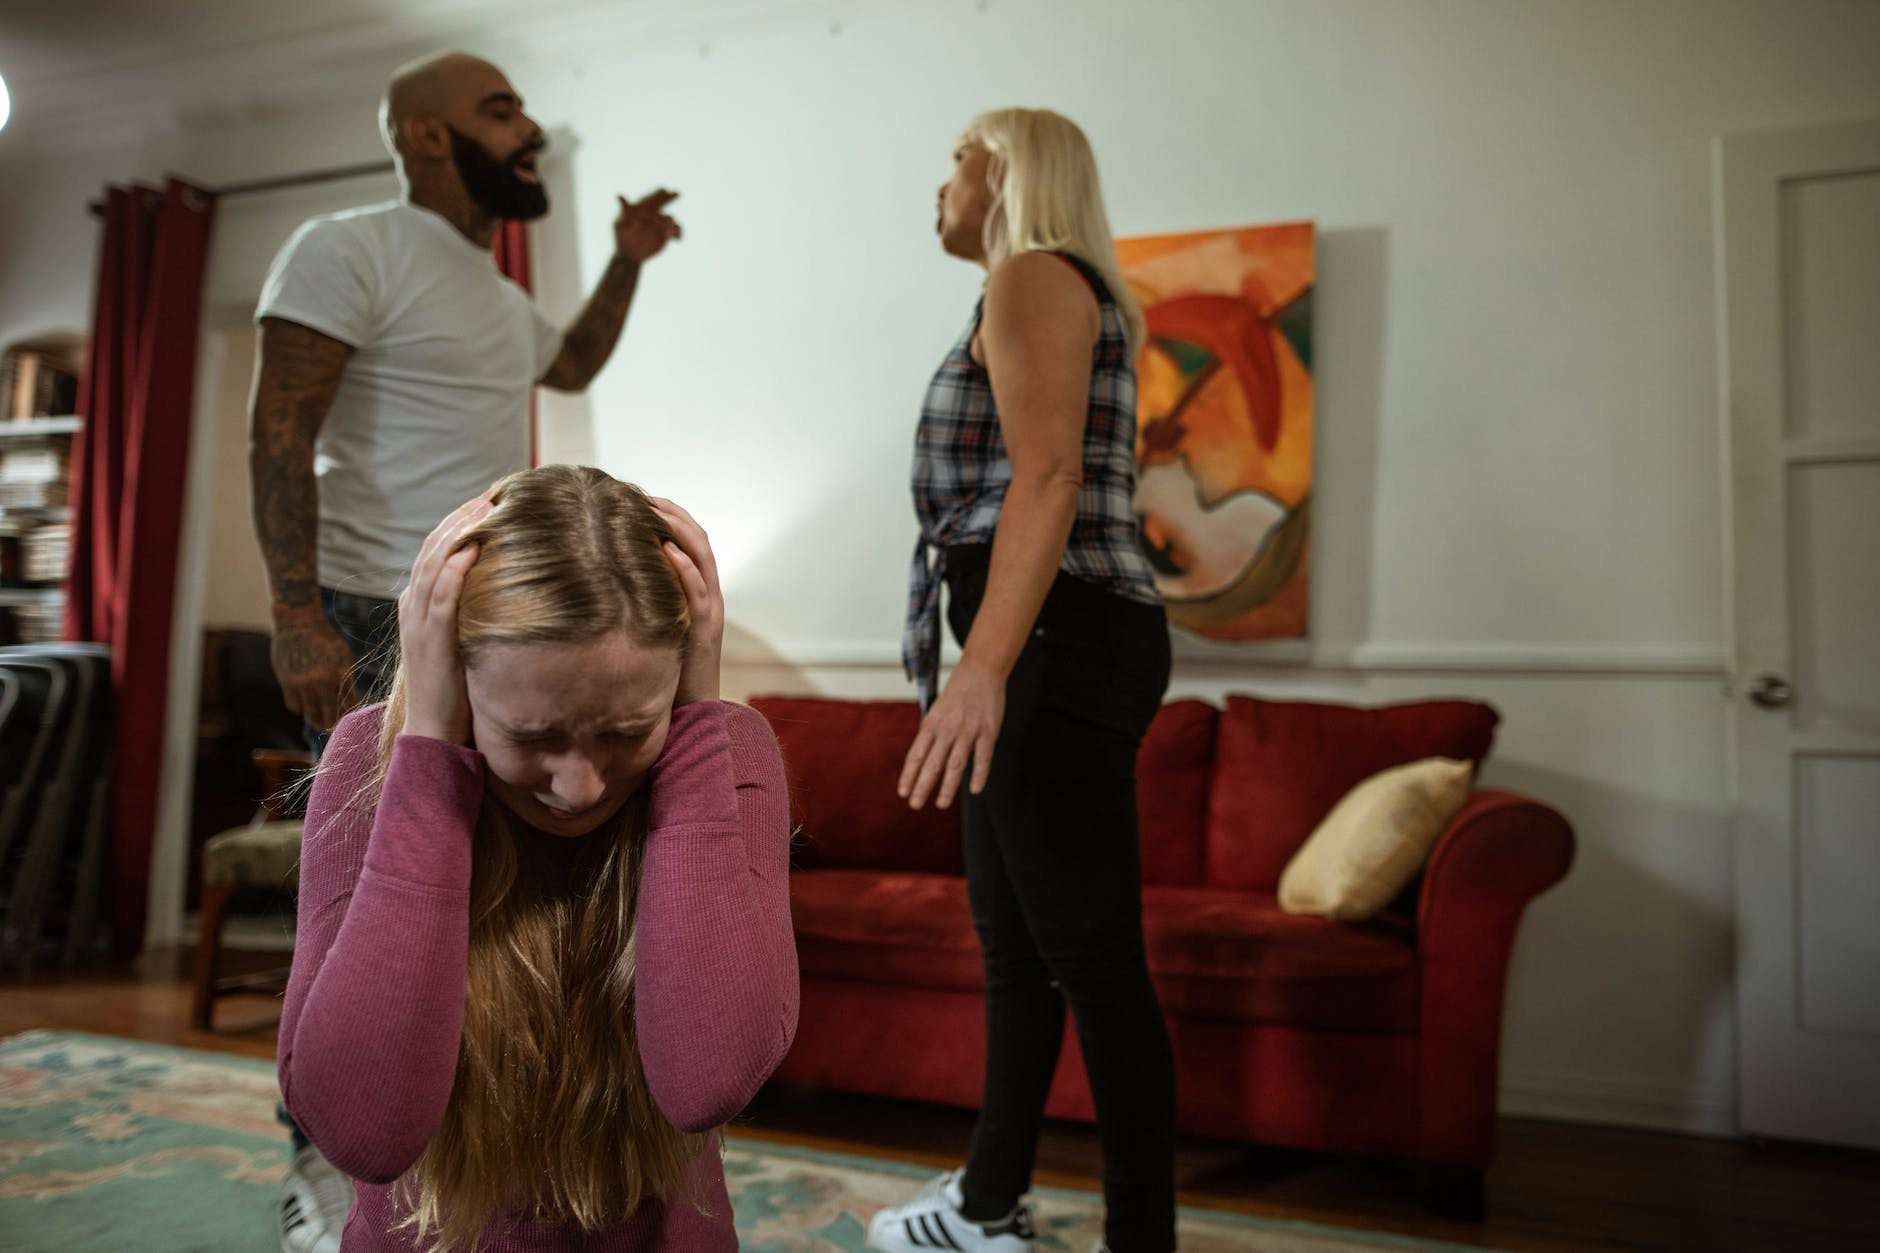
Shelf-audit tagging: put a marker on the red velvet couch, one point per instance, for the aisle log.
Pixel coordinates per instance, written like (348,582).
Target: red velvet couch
(1376,1038)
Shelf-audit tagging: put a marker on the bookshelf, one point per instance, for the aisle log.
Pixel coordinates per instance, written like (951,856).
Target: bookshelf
(28,428)
(38,391)
(35,525)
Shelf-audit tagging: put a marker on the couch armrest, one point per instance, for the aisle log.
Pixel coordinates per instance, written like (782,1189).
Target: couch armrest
(1499,853)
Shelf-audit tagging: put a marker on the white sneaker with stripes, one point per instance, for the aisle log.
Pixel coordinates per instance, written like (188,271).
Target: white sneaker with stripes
(932,1220)
(315,1200)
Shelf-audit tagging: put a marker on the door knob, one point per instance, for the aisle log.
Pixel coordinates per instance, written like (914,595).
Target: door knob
(1770,691)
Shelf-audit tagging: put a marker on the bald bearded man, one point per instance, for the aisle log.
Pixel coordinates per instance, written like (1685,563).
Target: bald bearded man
(396,365)
(392,383)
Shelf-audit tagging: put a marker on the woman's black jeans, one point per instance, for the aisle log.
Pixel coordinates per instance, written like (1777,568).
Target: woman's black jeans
(1053,872)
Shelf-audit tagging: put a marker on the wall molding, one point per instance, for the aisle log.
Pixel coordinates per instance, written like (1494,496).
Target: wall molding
(1652,661)
(1655,660)
(1623,1103)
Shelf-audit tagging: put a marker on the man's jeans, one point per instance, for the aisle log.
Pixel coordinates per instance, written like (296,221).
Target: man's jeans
(370,628)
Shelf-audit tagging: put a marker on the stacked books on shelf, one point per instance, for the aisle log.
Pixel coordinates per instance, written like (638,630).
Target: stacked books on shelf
(35,473)
(39,621)
(35,534)
(38,379)
(38,385)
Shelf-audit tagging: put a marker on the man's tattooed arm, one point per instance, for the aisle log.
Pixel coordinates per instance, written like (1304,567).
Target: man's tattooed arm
(590,341)
(297,374)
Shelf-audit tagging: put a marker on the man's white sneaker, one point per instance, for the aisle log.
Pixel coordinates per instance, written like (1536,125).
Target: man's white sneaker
(932,1220)
(315,1200)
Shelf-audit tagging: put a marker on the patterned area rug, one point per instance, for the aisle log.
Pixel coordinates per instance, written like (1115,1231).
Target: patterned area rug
(111,1145)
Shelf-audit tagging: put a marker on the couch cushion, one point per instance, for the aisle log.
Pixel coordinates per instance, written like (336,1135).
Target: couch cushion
(903,930)
(1280,766)
(1374,841)
(1172,773)
(1226,956)
(1237,957)
(843,759)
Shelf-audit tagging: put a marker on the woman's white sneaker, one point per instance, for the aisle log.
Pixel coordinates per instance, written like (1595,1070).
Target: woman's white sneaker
(932,1220)
(315,1199)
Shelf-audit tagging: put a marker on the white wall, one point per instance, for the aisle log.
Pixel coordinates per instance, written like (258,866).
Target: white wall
(1518,472)
(235,583)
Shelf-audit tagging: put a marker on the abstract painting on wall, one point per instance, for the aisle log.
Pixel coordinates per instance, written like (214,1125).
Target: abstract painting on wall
(1224,425)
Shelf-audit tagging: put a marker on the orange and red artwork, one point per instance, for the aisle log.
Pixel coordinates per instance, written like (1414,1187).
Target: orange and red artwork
(1224,425)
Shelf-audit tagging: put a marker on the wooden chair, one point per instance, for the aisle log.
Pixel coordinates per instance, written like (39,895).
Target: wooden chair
(265,853)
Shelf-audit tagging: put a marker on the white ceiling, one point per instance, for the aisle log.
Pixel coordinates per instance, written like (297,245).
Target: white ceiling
(85,71)
(48,41)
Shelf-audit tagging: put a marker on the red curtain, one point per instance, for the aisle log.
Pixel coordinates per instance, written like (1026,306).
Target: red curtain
(511,250)
(130,467)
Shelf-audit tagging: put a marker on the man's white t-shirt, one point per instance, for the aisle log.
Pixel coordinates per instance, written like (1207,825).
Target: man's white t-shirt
(433,405)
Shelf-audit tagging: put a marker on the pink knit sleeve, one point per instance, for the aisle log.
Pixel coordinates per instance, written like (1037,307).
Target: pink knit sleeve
(374,1013)
(716,981)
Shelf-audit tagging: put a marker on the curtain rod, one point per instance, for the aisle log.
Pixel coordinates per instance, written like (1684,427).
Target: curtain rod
(290,180)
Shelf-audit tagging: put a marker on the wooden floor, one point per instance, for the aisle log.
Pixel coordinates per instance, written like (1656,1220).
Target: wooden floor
(1556,1186)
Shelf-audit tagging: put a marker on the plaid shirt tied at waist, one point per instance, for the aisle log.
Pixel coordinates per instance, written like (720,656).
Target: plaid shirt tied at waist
(961,472)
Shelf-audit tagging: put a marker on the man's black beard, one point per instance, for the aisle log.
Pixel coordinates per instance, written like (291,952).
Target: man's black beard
(493,184)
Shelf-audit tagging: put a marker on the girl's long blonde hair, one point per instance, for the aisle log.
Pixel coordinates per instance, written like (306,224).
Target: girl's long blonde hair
(550,1119)
(1046,197)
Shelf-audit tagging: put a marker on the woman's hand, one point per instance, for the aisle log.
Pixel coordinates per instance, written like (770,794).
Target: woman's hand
(963,723)
(692,559)
(436,704)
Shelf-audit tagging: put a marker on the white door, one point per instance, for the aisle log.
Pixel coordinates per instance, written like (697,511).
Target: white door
(1799,216)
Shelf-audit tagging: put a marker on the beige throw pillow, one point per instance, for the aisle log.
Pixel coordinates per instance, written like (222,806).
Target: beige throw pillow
(1374,841)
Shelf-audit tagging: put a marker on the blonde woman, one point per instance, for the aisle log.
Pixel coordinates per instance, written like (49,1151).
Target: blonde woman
(544,948)
(1024,470)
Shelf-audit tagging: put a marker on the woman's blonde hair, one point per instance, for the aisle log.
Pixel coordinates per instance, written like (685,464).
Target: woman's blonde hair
(550,1119)
(1046,197)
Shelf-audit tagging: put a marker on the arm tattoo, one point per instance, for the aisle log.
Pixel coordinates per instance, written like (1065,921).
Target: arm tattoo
(590,341)
(297,374)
